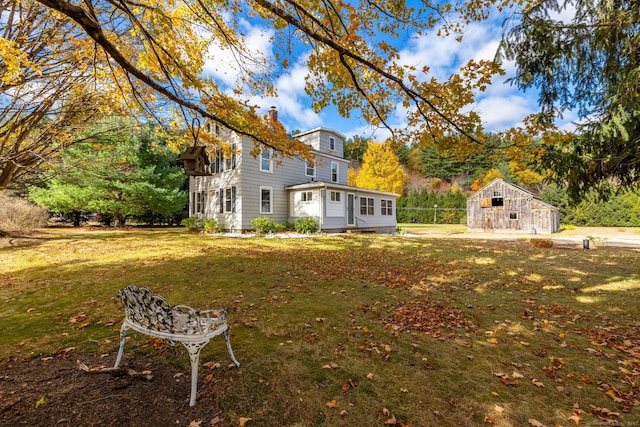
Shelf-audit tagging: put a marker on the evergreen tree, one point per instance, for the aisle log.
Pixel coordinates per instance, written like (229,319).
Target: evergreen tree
(589,64)
(126,173)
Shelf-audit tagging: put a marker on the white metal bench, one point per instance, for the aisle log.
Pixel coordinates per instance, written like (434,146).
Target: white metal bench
(151,314)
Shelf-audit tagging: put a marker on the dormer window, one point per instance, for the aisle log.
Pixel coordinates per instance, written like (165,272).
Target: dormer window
(332,143)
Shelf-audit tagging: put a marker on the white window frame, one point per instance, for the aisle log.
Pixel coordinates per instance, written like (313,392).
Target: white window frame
(335,166)
(386,207)
(261,207)
(308,168)
(368,208)
(306,196)
(230,199)
(263,159)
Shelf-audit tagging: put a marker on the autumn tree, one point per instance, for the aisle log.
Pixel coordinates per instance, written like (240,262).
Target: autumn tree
(155,51)
(48,88)
(589,64)
(381,170)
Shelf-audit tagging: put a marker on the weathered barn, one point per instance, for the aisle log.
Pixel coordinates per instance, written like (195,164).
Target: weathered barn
(503,207)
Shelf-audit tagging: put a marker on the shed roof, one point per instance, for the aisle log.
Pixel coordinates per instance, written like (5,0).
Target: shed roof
(518,188)
(194,152)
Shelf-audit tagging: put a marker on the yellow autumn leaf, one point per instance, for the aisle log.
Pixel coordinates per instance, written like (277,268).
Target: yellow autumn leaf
(244,421)
(332,404)
(493,340)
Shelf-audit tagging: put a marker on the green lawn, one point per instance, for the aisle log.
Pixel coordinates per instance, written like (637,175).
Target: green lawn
(356,330)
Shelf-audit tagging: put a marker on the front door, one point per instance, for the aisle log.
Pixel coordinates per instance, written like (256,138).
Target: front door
(351,220)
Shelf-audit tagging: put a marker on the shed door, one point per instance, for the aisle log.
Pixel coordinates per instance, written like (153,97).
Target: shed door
(487,221)
(350,209)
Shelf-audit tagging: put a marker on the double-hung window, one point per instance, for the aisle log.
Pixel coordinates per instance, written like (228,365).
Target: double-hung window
(310,169)
(266,160)
(266,200)
(230,162)
(198,202)
(227,202)
(386,207)
(334,172)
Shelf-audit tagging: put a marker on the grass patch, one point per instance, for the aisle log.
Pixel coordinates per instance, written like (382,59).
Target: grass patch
(354,330)
(432,228)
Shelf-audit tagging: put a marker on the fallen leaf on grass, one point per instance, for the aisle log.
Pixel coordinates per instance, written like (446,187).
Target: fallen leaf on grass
(506,381)
(212,365)
(244,421)
(489,420)
(370,376)
(576,418)
(493,340)
(603,413)
(517,375)
(535,423)
(498,409)
(332,404)
(344,413)
(195,423)
(391,421)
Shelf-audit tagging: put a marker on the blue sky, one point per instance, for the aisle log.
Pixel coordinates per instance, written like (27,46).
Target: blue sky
(501,106)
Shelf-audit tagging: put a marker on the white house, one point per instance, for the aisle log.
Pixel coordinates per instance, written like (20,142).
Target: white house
(241,187)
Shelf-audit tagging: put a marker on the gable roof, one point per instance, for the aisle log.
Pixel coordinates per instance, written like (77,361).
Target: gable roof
(522,190)
(194,152)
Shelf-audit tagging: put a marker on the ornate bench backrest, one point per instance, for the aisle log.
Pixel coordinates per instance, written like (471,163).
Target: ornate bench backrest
(144,308)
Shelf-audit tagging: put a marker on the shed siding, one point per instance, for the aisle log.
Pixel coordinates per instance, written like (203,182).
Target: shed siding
(500,206)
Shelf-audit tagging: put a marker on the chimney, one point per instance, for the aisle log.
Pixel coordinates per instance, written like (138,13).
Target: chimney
(273,114)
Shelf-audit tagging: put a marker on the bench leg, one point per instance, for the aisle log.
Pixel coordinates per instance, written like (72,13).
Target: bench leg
(123,333)
(233,358)
(194,355)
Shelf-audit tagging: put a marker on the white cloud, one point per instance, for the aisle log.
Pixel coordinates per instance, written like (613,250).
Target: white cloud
(224,64)
(502,112)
